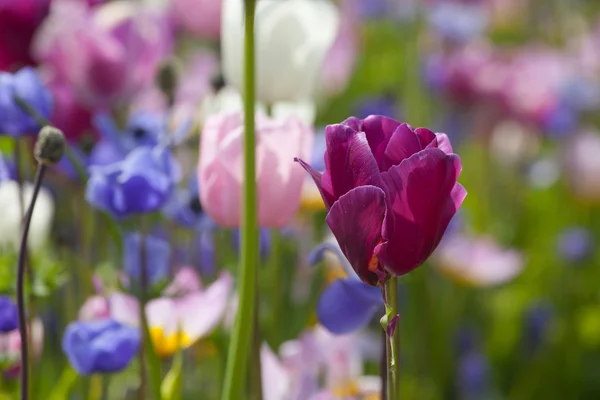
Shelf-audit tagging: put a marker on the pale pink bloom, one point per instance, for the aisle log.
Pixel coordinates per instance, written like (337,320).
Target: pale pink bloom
(186,281)
(477,261)
(279,178)
(341,58)
(10,347)
(179,322)
(119,306)
(107,53)
(199,17)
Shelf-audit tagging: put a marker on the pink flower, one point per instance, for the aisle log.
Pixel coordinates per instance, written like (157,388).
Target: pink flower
(199,17)
(119,306)
(106,54)
(10,347)
(279,180)
(69,114)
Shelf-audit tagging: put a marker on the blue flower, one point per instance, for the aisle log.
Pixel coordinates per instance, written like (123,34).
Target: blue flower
(142,129)
(140,183)
(536,323)
(26,85)
(380,105)
(4,171)
(575,244)
(185,209)
(158,253)
(100,346)
(473,376)
(9,315)
(458,22)
(347,304)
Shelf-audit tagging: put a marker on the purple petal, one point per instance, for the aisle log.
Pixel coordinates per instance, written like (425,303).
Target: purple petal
(403,144)
(421,198)
(379,130)
(326,191)
(337,176)
(356,221)
(443,143)
(425,136)
(347,305)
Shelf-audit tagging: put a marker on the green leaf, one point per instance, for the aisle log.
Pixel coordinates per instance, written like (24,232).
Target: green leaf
(171,386)
(66,382)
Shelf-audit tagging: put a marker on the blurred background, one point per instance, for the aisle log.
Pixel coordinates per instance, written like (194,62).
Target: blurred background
(507,307)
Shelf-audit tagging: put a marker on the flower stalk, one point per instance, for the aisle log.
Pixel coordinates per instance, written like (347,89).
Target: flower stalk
(393,341)
(239,347)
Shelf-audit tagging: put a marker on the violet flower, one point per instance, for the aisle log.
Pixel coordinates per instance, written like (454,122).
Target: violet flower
(347,304)
(8,315)
(390,191)
(100,346)
(157,253)
(26,85)
(140,183)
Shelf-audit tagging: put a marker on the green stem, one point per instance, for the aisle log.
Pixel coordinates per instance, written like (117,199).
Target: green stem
(239,347)
(393,343)
(255,371)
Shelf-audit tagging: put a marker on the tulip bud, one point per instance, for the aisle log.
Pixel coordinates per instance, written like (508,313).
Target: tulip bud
(50,145)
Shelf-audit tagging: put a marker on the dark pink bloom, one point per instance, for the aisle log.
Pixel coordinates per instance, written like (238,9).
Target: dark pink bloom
(390,191)
(18,21)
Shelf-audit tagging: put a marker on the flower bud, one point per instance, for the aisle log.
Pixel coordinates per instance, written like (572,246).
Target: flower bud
(50,145)
(167,78)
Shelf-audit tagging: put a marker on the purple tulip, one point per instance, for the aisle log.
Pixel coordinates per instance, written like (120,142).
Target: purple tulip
(390,191)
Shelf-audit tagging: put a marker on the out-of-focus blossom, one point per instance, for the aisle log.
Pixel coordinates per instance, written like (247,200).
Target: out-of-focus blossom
(341,57)
(473,376)
(390,192)
(458,21)
(10,347)
(317,356)
(26,85)
(8,315)
(536,323)
(575,244)
(102,346)
(381,105)
(478,261)
(512,143)
(201,18)
(157,255)
(279,181)
(10,218)
(178,322)
(142,129)
(4,170)
(292,40)
(184,207)
(347,304)
(543,173)
(263,237)
(582,166)
(186,281)
(18,22)
(69,115)
(107,54)
(141,183)
(121,307)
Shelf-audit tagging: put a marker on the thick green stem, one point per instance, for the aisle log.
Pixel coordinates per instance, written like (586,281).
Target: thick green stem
(393,343)
(275,289)
(239,347)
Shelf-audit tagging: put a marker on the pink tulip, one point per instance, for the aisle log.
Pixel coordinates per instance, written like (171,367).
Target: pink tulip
(121,307)
(199,17)
(106,54)
(279,180)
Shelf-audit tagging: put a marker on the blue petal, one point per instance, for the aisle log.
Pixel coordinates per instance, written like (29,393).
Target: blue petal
(158,254)
(347,305)
(8,315)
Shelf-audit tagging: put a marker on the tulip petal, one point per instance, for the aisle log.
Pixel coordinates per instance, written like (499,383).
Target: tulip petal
(403,144)
(326,191)
(347,305)
(338,138)
(421,198)
(443,143)
(425,136)
(379,130)
(356,221)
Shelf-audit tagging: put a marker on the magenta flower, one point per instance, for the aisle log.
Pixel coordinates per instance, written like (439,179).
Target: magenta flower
(390,191)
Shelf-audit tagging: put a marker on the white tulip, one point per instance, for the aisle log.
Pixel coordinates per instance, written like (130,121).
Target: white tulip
(292,40)
(10,216)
